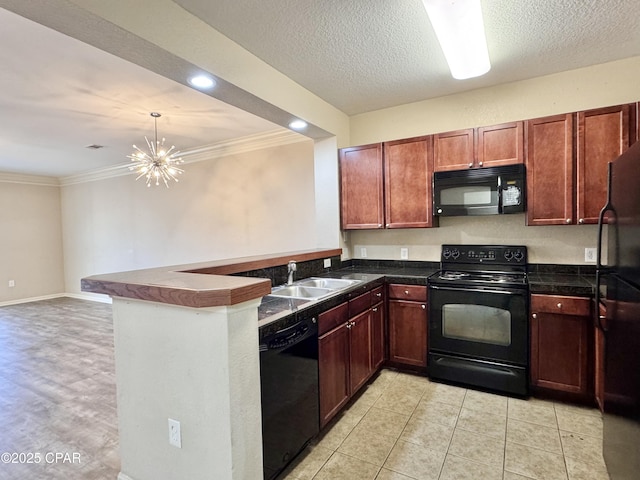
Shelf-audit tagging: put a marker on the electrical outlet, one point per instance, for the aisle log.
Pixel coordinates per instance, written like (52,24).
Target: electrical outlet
(590,255)
(363,252)
(175,438)
(12,283)
(404,254)
(327,263)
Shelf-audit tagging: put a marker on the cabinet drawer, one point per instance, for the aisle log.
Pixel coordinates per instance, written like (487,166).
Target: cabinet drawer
(332,318)
(416,293)
(377,295)
(560,304)
(359,304)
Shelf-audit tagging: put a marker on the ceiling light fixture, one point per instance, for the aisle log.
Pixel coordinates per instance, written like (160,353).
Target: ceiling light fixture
(298,124)
(202,81)
(460,31)
(158,163)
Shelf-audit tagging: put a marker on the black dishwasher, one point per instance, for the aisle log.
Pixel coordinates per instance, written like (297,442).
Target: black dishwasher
(289,391)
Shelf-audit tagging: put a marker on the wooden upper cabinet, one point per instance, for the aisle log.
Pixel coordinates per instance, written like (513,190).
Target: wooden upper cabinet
(453,150)
(500,144)
(550,170)
(481,147)
(361,201)
(603,135)
(408,165)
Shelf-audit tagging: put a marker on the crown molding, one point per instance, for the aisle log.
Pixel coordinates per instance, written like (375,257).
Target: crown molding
(236,146)
(26,179)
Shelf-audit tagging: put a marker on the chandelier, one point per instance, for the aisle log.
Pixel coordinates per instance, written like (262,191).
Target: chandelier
(157,164)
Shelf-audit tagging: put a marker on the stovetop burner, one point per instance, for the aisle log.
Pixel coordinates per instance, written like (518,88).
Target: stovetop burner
(482,277)
(474,265)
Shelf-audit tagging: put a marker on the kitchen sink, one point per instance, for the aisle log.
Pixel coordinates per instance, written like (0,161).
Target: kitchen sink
(300,291)
(312,288)
(331,283)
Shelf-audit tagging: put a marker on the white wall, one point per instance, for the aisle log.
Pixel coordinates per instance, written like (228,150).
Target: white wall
(31,240)
(243,204)
(601,85)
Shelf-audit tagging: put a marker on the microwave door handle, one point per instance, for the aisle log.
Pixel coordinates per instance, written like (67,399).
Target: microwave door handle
(500,208)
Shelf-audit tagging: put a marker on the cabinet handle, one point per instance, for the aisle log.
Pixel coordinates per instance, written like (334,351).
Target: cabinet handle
(379,225)
(388,225)
(470,165)
(406,292)
(375,309)
(581,221)
(424,307)
(567,221)
(535,315)
(378,295)
(349,325)
(559,305)
(480,163)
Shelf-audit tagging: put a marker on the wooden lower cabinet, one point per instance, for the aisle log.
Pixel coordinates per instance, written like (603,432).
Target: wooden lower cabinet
(378,335)
(561,344)
(408,325)
(349,353)
(333,372)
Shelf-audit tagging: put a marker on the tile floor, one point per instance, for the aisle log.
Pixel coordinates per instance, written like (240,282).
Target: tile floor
(405,427)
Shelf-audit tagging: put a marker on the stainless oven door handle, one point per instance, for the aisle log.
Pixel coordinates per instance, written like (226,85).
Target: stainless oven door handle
(480,290)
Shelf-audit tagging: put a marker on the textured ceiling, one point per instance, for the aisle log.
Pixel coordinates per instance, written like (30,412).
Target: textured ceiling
(366,55)
(58,94)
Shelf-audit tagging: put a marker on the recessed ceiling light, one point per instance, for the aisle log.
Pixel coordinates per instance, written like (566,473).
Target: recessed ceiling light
(202,81)
(298,124)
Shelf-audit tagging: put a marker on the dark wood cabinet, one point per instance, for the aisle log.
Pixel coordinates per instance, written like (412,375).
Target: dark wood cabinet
(550,170)
(361,192)
(453,150)
(408,165)
(561,344)
(481,147)
(351,335)
(378,336)
(602,136)
(567,180)
(387,185)
(333,372)
(408,324)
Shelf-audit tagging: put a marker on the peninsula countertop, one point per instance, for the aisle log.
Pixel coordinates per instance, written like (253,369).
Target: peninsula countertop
(197,285)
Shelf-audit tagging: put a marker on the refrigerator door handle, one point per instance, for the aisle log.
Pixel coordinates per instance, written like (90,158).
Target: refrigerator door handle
(608,207)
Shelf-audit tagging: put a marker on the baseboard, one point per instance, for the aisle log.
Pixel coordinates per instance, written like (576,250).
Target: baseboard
(123,476)
(94,297)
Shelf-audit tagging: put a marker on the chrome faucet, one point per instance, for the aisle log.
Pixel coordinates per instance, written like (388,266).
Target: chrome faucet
(291,268)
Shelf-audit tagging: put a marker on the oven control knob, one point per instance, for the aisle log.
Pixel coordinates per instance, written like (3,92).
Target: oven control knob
(455,253)
(508,254)
(518,255)
(446,253)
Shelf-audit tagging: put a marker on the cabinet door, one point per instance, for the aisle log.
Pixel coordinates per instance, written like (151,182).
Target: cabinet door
(361,200)
(560,343)
(408,165)
(453,150)
(549,161)
(500,145)
(360,367)
(377,335)
(603,135)
(408,332)
(333,372)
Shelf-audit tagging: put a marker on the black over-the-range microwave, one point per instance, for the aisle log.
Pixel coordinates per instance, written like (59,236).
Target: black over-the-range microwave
(480,191)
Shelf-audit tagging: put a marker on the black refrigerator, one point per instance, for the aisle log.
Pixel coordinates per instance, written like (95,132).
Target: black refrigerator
(618,331)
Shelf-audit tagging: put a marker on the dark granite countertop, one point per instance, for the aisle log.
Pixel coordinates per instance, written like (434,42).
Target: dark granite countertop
(371,275)
(544,279)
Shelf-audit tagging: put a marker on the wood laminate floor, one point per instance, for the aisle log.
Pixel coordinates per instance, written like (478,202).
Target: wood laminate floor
(57,391)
